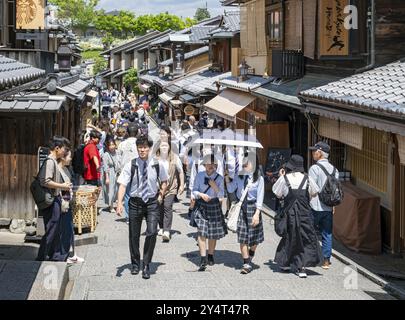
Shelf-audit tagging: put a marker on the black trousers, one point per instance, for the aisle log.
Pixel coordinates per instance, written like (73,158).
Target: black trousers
(137,211)
(51,247)
(166,213)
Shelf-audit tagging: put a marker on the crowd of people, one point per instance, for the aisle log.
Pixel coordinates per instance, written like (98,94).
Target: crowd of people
(141,179)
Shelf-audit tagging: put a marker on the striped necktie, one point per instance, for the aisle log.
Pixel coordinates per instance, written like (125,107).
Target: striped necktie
(236,164)
(144,184)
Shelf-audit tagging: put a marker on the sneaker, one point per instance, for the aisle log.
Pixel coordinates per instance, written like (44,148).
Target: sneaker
(326,264)
(247,268)
(285,269)
(160,233)
(302,273)
(75,259)
(203,264)
(166,236)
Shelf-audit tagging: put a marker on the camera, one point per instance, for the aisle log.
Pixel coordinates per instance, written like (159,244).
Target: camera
(207,180)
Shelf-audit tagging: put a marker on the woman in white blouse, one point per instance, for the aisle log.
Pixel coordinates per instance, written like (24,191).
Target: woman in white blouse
(250,224)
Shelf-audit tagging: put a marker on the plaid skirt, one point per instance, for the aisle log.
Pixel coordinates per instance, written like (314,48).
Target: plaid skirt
(246,233)
(210,220)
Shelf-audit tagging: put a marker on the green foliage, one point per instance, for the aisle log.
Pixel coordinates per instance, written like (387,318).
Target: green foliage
(91,54)
(100,65)
(131,79)
(202,14)
(126,24)
(189,22)
(79,13)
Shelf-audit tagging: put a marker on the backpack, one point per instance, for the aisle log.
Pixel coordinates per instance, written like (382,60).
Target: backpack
(134,169)
(78,160)
(332,192)
(43,198)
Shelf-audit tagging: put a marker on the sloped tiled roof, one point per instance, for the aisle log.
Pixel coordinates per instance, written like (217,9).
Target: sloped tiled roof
(127,45)
(252,83)
(14,73)
(381,89)
(152,77)
(188,55)
(33,103)
(197,34)
(232,21)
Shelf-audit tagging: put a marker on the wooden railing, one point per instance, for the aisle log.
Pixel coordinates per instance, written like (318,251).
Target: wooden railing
(287,64)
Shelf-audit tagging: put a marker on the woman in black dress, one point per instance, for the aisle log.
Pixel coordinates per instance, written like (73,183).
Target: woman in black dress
(299,247)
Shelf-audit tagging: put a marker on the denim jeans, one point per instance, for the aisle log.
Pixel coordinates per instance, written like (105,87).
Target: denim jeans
(323,221)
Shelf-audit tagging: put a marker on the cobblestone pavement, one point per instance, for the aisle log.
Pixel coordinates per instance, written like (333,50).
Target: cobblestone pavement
(106,273)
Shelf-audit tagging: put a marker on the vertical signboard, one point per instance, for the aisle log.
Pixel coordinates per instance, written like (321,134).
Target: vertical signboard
(334,37)
(178,58)
(30,14)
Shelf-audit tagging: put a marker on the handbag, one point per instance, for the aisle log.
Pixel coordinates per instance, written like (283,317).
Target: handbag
(280,219)
(197,209)
(65,204)
(43,198)
(280,223)
(234,211)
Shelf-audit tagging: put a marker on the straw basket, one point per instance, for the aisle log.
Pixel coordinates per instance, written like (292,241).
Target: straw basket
(85,208)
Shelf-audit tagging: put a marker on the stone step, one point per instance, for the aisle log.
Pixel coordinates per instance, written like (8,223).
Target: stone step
(32,280)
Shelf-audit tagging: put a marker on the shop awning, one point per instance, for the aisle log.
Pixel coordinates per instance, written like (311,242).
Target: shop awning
(176,103)
(229,103)
(373,122)
(187,98)
(145,87)
(165,97)
(92,94)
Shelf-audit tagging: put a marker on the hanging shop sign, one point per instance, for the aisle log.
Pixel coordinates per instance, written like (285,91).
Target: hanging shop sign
(334,36)
(30,14)
(189,110)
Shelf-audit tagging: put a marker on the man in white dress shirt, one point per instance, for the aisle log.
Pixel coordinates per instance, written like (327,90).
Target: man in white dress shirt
(145,177)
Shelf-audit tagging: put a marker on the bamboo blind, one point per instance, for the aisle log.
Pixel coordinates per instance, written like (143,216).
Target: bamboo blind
(346,133)
(293,25)
(309,25)
(261,38)
(329,128)
(401,148)
(244,26)
(351,134)
(370,165)
(253,28)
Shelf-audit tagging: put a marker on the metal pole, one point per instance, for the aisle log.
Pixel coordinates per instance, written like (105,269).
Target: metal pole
(99,104)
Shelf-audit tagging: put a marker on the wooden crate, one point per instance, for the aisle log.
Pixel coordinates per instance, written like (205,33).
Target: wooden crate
(85,208)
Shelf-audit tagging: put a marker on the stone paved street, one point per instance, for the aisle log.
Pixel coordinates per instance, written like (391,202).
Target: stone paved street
(106,273)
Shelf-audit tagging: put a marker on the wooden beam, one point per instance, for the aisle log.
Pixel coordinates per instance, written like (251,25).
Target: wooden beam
(396,203)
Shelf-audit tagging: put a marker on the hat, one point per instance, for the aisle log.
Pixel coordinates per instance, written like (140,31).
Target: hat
(209,159)
(296,163)
(322,146)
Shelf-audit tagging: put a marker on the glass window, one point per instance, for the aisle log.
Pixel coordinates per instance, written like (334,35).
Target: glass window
(274,25)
